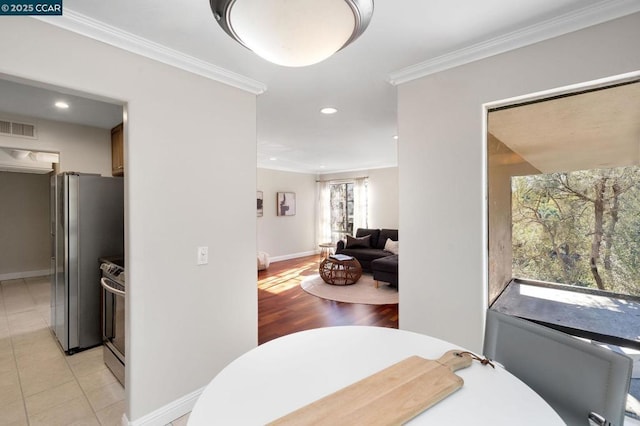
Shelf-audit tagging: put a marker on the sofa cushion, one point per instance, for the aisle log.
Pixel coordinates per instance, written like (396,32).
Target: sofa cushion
(360,242)
(361,232)
(391,246)
(365,254)
(382,237)
(386,269)
(386,264)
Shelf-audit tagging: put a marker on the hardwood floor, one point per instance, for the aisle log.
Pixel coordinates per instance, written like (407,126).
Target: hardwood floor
(284,308)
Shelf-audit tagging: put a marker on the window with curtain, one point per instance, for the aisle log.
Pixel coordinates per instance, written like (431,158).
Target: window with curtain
(347,208)
(341,202)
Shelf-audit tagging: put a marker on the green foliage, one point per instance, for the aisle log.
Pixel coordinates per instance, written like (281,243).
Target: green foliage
(580,228)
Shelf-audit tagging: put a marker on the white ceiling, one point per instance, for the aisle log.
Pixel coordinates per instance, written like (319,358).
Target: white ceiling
(405,39)
(32,101)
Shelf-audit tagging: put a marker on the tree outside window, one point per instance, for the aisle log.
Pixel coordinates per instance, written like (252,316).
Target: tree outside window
(580,228)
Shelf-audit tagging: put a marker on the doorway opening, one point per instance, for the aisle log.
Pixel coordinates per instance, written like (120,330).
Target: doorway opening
(79,137)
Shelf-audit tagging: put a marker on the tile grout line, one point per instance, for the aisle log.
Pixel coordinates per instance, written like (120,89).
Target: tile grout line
(84,392)
(76,379)
(33,298)
(23,287)
(13,352)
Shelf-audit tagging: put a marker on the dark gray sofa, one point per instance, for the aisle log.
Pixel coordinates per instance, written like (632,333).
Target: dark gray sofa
(386,269)
(368,250)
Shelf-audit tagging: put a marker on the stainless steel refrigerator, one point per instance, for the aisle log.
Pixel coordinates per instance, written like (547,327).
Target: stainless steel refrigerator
(87,223)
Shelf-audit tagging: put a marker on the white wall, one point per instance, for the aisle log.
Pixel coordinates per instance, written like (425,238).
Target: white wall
(442,205)
(185,136)
(25,249)
(383,203)
(82,149)
(285,237)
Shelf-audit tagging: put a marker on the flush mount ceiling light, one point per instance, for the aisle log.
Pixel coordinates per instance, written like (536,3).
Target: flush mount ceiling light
(293,33)
(20,154)
(46,157)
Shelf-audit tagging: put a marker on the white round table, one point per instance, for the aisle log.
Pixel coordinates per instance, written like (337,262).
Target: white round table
(282,375)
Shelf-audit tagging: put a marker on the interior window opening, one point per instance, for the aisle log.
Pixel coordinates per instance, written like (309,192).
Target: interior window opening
(564,216)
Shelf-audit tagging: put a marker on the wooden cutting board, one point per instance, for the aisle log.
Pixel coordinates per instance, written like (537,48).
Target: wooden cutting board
(389,397)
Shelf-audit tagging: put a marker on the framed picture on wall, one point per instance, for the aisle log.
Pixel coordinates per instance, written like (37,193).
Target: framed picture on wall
(259,198)
(286,204)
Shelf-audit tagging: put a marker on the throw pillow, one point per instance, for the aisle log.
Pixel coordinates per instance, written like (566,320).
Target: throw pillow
(362,242)
(391,246)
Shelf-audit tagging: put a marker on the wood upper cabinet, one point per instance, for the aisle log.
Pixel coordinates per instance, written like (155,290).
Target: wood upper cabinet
(117,151)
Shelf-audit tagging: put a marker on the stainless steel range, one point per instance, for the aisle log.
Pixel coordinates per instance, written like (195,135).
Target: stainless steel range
(113,299)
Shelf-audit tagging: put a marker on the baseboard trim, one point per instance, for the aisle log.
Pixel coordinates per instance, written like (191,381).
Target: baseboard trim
(165,415)
(24,274)
(293,256)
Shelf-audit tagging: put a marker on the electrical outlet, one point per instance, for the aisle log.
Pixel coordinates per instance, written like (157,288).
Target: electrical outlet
(203,255)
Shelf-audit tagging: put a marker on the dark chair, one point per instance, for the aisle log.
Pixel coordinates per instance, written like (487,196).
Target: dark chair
(575,377)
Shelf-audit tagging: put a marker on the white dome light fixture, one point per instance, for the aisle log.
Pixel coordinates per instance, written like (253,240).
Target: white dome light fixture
(293,33)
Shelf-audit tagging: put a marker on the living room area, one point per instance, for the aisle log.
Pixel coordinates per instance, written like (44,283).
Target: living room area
(291,244)
(296,235)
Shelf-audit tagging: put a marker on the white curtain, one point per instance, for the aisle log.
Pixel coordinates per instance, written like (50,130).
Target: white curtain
(323,231)
(360,204)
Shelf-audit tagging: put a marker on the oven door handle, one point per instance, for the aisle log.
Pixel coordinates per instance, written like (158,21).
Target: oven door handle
(106,286)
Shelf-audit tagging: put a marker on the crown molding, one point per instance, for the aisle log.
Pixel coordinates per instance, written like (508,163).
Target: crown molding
(307,171)
(560,25)
(89,27)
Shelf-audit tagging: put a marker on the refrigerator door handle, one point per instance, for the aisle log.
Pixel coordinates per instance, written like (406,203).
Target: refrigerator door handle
(109,288)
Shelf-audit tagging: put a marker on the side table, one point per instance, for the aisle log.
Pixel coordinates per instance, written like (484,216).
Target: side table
(340,272)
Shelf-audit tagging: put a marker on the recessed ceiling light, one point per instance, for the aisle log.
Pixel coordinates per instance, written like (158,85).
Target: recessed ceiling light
(328,110)
(396,137)
(272,158)
(62,105)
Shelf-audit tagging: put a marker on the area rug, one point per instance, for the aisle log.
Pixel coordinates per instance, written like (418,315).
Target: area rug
(364,291)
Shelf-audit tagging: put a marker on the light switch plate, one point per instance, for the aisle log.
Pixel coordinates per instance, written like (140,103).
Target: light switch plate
(203,255)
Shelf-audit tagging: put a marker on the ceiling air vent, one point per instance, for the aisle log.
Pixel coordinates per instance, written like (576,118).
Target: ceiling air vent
(5,127)
(12,128)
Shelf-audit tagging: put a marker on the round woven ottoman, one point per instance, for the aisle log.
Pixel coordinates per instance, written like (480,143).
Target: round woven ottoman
(340,272)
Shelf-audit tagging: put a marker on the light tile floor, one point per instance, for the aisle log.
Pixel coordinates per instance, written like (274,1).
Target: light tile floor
(39,384)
